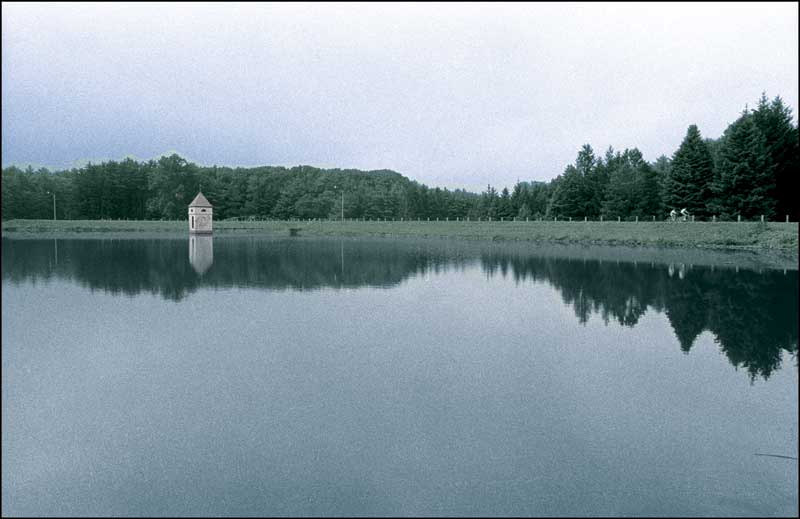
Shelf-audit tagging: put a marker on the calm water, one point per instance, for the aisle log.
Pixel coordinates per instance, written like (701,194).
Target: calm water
(251,376)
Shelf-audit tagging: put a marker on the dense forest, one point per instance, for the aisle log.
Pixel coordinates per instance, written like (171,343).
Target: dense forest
(746,173)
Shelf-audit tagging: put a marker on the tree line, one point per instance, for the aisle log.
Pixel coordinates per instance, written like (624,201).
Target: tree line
(745,173)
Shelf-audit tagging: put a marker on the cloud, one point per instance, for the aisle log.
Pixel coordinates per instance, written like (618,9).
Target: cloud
(448,94)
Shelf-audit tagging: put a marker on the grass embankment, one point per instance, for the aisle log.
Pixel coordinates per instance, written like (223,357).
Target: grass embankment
(745,235)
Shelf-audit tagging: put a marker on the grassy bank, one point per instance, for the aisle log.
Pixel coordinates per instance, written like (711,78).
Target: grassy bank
(749,235)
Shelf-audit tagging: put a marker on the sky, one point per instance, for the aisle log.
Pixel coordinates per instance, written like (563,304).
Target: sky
(451,95)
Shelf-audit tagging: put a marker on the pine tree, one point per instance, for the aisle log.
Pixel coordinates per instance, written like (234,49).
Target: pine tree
(745,180)
(567,199)
(489,201)
(691,176)
(573,194)
(648,191)
(661,168)
(774,120)
(632,187)
(504,209)
(621,193)
(524,212)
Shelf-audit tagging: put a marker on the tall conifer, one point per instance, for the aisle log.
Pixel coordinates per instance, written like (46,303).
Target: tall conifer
(774,120)
(691,176)
(745,179)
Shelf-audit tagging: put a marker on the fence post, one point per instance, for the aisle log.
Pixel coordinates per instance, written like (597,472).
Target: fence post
(601,217)
(637,219)
(714,218)
(787,218)
(762,218)
(618,218)
(584,218)
(692,217)
(738,218)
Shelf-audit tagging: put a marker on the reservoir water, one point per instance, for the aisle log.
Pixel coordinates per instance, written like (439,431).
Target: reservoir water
(243,375)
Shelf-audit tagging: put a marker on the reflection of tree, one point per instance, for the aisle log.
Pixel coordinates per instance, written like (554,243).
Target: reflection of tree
(686,307)
(753,316)
(117,266)
(162,266)
(619,290)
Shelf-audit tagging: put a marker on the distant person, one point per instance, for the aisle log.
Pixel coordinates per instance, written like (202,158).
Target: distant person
(672,215)
(685,214)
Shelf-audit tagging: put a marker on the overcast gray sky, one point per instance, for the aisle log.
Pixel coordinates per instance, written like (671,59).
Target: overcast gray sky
(455,95)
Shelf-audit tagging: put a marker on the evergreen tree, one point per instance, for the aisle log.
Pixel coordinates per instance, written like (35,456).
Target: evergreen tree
(539,196)
(524,212)
(745,181)
(661,168)
(489,202)
(504,206)
(648,192)
(567,199)
(591,186)
(573,194)
(632,187)
(774,120)
(691,176)
(597,184)
(621,193)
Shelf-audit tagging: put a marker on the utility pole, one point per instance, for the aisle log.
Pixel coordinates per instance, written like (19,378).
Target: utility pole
(335,187)
(54,204)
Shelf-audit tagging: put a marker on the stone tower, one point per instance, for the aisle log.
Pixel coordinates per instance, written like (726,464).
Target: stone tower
(201,215)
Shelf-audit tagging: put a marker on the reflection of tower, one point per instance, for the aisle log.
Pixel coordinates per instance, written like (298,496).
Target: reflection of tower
(201,252)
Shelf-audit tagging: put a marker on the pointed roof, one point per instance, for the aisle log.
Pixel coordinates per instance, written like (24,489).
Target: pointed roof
(200,201)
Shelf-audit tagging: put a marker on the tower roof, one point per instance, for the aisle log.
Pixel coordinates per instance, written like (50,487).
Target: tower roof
(200,201)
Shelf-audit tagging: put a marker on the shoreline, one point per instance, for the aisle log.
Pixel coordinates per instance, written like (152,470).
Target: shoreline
(772,236)
(468,241)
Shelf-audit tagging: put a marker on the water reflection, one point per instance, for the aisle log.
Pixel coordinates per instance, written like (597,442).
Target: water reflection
(201,252)
(752,315)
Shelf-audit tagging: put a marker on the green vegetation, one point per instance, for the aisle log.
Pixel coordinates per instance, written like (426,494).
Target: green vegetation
(750,235)
(746,173)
